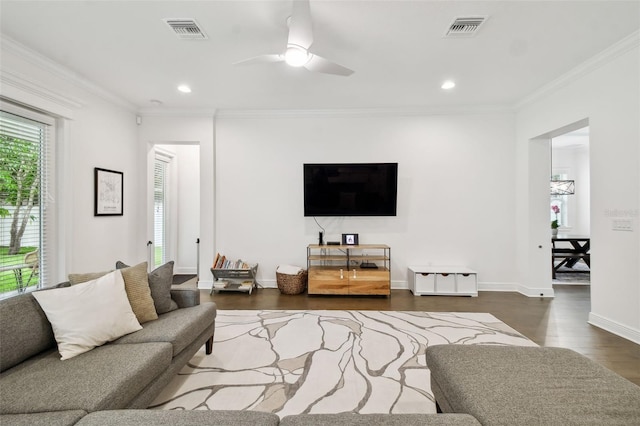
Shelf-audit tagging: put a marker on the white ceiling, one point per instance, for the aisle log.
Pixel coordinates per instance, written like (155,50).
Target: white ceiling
(396,48)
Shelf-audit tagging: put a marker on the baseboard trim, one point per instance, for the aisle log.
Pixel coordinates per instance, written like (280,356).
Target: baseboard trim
(614,327)
(404,285)
(518,288)
(205,284)
(185,270)
(490,286)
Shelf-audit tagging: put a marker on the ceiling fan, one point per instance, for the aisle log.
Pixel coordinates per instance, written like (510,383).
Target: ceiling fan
(300,39)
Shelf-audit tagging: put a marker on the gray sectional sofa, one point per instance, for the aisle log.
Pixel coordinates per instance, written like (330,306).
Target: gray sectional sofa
(114,383)
(36,387)
(513,385)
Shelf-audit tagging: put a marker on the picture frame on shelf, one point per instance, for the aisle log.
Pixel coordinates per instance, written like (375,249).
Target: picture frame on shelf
(350,239)
(108,192)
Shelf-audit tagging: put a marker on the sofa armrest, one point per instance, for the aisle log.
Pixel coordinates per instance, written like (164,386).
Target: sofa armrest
(186,297)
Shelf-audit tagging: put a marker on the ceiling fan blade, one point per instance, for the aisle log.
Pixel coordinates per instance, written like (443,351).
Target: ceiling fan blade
(262,59)
(300,29)
(320,64)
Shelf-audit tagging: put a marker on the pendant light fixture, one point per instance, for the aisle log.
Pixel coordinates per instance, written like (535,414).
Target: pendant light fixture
(560,186)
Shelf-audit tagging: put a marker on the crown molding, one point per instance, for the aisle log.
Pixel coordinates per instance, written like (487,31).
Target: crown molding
(177,112)
(9,45)
(362,112)
(628,43)
(17,89)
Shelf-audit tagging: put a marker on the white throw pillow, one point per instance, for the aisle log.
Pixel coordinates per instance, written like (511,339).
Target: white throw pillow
(87,315)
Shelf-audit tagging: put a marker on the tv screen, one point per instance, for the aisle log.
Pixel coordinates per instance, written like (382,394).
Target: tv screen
(360,189)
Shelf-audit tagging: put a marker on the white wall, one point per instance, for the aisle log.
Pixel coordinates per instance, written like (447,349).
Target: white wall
(606,93)
(456,201)
(106,137)
(92,132)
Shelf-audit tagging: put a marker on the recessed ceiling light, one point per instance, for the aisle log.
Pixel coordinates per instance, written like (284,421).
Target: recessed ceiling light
(184,88)
(449,84)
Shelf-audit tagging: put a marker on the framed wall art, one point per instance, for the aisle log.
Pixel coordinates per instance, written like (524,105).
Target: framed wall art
(108,192)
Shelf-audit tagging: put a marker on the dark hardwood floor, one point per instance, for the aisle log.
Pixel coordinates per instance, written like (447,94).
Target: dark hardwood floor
(561,321)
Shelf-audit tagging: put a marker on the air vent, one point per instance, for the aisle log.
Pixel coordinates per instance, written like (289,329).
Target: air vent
(465,27)
(186,29)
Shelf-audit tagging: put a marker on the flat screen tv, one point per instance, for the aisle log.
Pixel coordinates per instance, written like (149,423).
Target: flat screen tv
(355,189)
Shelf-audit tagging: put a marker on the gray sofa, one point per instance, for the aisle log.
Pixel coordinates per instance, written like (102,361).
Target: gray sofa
(511,385)
(36,387)
(113,383)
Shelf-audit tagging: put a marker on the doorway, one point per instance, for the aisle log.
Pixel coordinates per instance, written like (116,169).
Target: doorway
(570,206)
(175,211)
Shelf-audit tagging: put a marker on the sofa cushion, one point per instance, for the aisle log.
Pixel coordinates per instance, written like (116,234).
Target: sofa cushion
(350,419)
(50,418)
(87,315)
(136,284)
(179,327)
(26,331)
(512,385)
(179,418)
(84,277)
(160,281)
(92,381)
(185,297)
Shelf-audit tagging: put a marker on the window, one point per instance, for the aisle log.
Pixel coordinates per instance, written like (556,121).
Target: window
(160,209)
(561,202)
(23,195)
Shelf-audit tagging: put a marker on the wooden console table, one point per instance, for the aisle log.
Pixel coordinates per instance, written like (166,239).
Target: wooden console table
(338,269)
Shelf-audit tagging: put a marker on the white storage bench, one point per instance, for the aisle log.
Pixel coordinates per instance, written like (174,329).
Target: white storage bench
(443,280)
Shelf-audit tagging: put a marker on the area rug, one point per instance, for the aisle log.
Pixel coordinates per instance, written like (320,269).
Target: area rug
(579,274)
(292,362)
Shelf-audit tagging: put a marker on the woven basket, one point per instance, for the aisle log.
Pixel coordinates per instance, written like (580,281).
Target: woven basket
(292,284)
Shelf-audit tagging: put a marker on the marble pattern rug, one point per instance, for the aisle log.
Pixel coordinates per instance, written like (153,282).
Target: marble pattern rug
(292,362)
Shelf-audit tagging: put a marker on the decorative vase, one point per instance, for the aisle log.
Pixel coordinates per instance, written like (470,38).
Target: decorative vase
(554,232)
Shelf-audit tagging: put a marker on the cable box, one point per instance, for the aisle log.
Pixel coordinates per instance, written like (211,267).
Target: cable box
(368,265)
(333,243)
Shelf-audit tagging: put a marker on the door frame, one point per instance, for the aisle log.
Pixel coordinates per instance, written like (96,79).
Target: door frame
(539,174)
(171,213)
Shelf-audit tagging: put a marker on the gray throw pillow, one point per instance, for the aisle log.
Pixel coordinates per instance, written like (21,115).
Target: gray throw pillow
(160,280)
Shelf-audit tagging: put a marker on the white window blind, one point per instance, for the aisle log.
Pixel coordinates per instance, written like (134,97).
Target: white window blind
(159,210)
(24,170)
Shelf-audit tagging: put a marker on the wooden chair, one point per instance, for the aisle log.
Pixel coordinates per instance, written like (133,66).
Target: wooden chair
(32,261)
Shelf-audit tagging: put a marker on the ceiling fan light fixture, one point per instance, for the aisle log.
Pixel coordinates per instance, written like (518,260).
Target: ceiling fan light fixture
(296,56)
